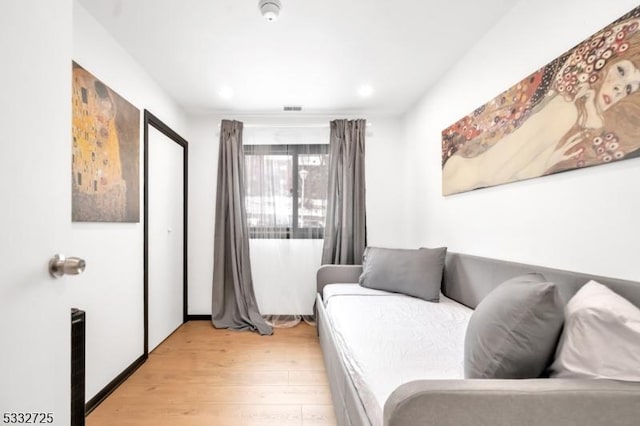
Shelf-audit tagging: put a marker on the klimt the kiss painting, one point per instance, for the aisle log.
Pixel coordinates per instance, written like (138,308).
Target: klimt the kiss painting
(106,145)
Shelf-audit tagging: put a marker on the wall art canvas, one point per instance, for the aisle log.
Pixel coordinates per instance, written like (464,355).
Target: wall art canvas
(106,146)
(580,110)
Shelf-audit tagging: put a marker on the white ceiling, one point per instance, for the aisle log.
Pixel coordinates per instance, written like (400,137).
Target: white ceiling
(316,55)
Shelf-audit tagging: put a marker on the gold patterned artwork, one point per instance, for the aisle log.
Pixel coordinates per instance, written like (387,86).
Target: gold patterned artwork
(580,110)
(105,164)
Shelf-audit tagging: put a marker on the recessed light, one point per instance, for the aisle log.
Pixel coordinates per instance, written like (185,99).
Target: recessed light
(365,91)
(226,92)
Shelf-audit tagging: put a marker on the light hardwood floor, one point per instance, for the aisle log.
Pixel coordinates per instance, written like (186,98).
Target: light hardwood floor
(204,376)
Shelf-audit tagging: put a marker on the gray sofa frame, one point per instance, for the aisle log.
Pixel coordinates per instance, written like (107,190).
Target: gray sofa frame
(537,402)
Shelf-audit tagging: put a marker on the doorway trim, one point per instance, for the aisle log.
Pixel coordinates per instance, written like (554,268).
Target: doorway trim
(156,123)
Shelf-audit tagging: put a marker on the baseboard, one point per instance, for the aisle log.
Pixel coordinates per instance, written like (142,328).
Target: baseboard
(113,385)
(198,317)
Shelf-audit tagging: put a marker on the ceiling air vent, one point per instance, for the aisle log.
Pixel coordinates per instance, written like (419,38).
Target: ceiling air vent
(292,108)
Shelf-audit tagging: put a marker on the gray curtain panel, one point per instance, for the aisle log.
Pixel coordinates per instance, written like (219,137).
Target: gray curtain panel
(345,234)
(234,303)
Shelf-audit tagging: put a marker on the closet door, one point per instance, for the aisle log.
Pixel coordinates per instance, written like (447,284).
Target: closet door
(165,248)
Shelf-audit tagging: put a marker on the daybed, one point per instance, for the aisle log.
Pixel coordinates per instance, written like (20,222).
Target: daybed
(462,402)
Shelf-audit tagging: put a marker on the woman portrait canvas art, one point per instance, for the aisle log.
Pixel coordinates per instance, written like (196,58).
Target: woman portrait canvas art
(580,110)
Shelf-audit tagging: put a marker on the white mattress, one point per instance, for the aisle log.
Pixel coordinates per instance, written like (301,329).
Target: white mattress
(388,339)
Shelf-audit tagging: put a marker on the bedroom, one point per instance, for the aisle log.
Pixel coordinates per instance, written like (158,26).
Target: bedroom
(583,220)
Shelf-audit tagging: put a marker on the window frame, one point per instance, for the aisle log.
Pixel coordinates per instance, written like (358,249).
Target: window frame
(286,232)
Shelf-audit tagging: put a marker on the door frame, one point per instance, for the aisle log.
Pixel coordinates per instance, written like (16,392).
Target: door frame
(156,123)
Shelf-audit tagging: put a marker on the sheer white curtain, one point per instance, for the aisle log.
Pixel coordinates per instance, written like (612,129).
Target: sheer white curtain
(286,184)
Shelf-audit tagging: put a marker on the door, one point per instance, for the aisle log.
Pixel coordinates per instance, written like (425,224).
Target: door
(166,231)
(35,210)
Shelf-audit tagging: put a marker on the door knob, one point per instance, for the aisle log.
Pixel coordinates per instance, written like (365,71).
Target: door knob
(60,265)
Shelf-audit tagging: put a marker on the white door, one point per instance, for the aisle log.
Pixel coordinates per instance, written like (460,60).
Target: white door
(35,209)
(166,232)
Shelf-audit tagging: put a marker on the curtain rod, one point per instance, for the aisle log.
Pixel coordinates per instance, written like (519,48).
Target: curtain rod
(290,126)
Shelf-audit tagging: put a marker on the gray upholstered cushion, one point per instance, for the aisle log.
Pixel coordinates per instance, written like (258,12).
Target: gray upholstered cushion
(416,273)
(513,332)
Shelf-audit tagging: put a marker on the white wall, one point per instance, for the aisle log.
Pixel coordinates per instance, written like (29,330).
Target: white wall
(583,220)
(388,197)
(203,165)
(284,270)
(35,165)
(113,295)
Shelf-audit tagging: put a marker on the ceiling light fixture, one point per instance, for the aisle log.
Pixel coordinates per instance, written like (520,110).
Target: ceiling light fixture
(270,9)
(365,91)
(226,92)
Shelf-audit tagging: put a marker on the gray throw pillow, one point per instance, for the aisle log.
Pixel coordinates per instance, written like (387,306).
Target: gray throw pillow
(416,273)
(513,332)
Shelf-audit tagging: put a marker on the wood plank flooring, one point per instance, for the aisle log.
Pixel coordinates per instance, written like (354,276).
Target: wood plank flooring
(204,376)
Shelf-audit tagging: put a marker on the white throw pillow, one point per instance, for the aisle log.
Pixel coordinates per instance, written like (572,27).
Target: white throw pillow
(601,337)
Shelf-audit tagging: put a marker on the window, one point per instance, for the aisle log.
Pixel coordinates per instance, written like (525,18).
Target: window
(275,177)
